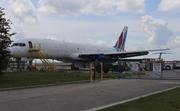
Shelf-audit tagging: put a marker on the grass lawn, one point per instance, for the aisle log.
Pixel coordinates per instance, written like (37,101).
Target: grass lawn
(29,78)
(19,79)
(165,101)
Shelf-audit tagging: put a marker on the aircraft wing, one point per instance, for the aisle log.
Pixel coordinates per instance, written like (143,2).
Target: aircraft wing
(116,54)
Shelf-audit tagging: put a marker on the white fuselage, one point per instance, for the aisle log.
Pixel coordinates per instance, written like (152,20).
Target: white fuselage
(59,50)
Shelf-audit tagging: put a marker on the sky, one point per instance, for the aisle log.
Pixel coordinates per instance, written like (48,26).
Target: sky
(152,24)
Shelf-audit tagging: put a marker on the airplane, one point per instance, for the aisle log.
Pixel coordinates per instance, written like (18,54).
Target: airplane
(80,55)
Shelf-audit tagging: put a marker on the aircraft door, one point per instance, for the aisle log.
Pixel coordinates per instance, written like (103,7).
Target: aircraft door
(30,44)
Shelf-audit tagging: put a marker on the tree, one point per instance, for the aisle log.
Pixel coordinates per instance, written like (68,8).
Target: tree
(5,41)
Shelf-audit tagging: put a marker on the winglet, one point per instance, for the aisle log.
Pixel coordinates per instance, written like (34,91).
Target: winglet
(120,44)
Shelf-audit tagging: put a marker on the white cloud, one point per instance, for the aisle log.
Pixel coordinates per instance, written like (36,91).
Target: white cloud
(23,10)
(169,5)
(157,29)
(175,44)
(134,6)
(101,42)
(98,42)
(20,34)
(97,7)
(52,38)
(133,45)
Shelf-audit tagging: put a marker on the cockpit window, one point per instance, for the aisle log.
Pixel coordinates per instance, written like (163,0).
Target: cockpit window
(19,44)
(15,44)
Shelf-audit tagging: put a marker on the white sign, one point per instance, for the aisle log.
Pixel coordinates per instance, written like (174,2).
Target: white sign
(135,67)
(157,68)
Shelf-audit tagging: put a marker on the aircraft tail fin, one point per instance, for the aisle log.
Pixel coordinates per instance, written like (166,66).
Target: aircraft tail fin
(120,44)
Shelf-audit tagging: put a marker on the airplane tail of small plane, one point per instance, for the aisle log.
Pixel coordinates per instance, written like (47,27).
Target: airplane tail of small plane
(120,44)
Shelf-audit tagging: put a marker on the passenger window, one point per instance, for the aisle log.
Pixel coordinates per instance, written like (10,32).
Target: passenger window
(15,44)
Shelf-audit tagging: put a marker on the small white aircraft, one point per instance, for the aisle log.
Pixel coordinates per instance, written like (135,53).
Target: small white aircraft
(81,55)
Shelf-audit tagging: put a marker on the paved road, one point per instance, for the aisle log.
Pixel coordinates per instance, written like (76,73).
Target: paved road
(80,97)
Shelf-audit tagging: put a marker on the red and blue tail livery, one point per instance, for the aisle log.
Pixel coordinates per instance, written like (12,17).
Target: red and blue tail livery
(120,44)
